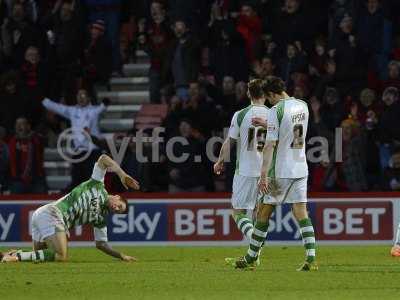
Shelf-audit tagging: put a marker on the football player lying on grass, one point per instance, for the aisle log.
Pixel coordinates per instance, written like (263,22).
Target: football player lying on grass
(88,203)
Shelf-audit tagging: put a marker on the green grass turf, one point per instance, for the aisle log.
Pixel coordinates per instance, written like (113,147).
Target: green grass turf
(364,272)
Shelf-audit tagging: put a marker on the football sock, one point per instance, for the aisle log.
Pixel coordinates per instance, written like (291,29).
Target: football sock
(397,242)
(257,239)
(36,256)
(244,224)
(308,236)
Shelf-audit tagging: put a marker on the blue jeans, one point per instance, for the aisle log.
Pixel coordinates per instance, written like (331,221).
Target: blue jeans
(112,21)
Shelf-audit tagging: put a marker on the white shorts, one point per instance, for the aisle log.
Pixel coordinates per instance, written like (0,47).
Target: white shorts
(292,190)
(244,192)
(46,221)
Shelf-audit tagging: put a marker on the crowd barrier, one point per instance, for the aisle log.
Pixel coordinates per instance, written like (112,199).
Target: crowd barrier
(204,219)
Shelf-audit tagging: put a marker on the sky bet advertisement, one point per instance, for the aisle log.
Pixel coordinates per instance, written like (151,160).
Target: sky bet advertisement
(208,222)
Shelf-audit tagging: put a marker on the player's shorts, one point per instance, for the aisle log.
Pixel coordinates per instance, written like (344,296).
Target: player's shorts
(292,190)
(244,192)
(46,221)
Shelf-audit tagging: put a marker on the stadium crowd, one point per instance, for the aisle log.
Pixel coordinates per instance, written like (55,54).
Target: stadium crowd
(341,56)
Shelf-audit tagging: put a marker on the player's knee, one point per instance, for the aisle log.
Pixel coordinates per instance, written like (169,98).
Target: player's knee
(300,211)
(263,212)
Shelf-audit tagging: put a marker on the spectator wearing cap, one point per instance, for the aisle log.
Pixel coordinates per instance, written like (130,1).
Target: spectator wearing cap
(97,64)
(26,160)
(155,39)
(110,12)
(182,61)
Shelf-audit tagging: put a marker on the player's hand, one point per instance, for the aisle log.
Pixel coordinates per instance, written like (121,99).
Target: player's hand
(263,185)
(274,188)
(129,183)
(258,121)
(218,167)
(128,258)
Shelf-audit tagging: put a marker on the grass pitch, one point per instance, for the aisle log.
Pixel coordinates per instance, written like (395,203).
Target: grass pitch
(364,272)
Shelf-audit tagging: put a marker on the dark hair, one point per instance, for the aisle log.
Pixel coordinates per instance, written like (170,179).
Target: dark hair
(273,84)
(255,88)
(126,204)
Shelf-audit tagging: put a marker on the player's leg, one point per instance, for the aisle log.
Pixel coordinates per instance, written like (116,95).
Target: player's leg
(260,231)
(58,245)
(296,194)
(243,222)
(306,229)
(244,197)
(44,227)
(54,249)
(395,251)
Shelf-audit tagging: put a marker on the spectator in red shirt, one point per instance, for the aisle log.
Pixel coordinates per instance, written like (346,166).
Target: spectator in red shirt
(250,27)
(26,160)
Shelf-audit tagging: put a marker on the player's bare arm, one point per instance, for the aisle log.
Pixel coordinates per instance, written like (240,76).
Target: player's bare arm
(223,155)
(107,163)
(107,249)
(267,160)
